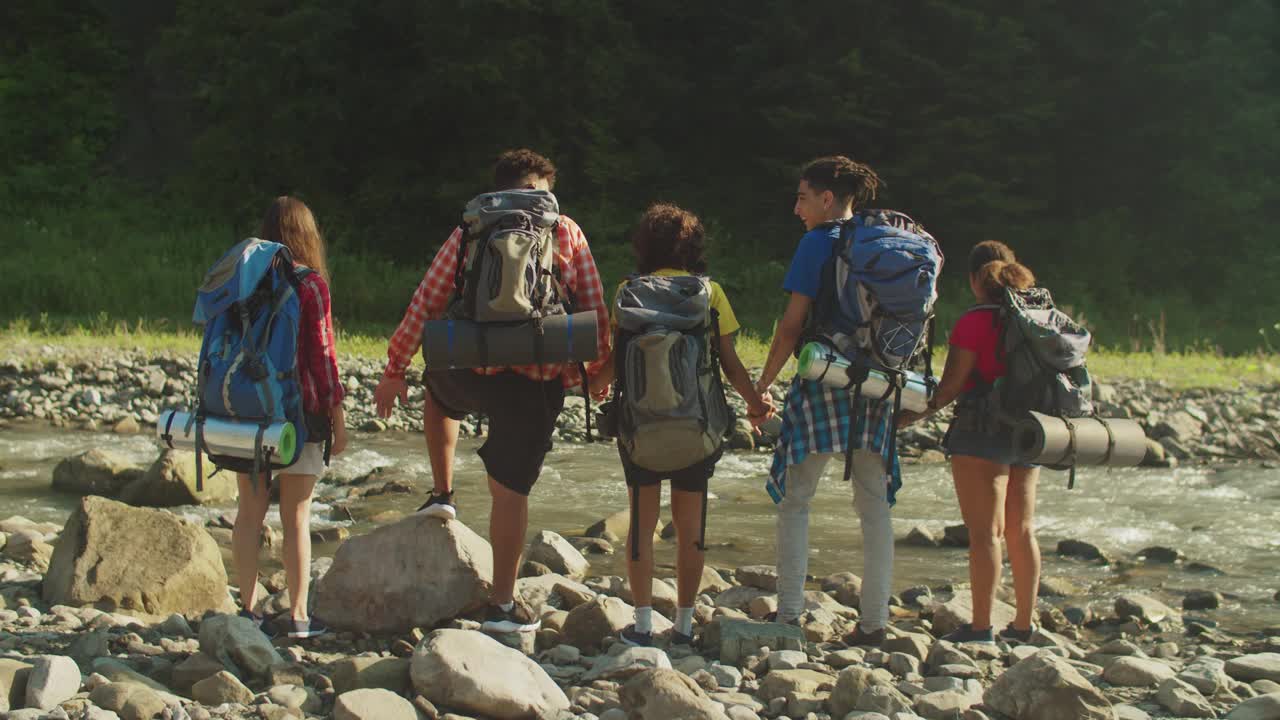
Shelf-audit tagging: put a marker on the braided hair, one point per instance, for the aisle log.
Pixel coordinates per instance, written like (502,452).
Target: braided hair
(848,180)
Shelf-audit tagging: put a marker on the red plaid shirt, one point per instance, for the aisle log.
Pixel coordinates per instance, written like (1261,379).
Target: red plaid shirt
(580,276)
(317,356)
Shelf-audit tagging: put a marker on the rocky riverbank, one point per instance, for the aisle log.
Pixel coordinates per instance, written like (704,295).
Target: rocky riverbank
(127,391)
(96,624)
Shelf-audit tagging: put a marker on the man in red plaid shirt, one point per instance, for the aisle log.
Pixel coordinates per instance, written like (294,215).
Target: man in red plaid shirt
(522,403)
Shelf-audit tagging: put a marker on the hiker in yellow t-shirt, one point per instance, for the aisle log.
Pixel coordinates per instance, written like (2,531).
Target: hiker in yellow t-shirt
(668,243)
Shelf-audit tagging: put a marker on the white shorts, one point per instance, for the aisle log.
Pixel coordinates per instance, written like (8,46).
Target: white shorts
(310,462)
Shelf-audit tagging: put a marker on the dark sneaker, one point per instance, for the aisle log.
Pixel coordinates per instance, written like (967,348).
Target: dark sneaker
(679,638)
(1013,635)
(313,627)
(519,618)
(773,618)
(862,638)
(260,622)
(439,506)
(966,634)
(635,638)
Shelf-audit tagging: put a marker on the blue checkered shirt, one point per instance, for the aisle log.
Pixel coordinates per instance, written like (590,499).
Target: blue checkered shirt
(815,419)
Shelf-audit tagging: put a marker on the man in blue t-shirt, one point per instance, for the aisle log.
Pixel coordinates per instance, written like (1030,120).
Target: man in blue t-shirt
(819,422)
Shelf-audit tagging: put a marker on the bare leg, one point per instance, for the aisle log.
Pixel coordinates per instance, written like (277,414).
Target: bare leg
(1024,551)
(640,571)
(980,488)
(508,521)
(295,516)
(246,536)
(686,512)
(441,432)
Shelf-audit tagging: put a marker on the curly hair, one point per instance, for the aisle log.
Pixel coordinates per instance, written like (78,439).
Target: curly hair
(848,180)
(515,165)
(669,236)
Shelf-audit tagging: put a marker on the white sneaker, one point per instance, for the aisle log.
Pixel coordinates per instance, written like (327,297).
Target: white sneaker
(439,506)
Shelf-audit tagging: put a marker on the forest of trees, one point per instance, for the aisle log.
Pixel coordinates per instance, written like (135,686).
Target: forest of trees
(1129,151)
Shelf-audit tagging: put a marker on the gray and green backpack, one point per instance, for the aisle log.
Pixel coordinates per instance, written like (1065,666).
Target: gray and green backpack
(673,412)
(1044,355)
(507,270)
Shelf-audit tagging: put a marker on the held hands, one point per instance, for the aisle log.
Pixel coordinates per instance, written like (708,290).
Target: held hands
(598,385)
(339,439)
(384,396)
(907,417)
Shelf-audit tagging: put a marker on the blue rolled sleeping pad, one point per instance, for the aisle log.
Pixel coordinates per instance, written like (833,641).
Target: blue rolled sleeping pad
(557,339)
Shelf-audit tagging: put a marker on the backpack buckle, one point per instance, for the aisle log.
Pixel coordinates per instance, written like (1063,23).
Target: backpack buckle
(255,369)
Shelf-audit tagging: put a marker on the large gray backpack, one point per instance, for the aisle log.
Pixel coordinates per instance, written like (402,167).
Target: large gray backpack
(507,269)
(673,412)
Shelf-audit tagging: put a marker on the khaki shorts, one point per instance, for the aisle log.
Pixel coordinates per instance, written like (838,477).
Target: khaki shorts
(310,462)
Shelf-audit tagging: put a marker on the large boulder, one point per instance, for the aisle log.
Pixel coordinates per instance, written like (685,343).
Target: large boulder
(591,624)
(1262,707)
(118,557)
(1141,607)
(414,573)
(1260,666)
(239,645)
(13,683)
(662,694)
(472,672)
(171,481)
(740,638)
(373,704)
(359,673)
(54,679)
(1046,687)
(1137,672)
(622,662)
(1183,700)
(129,700)
(95,472)
(950,615)
(556,553)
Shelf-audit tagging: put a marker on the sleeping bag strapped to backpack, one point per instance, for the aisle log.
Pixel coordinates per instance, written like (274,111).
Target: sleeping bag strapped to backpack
(248,375)
(875,305)
(508,277)
(672,411)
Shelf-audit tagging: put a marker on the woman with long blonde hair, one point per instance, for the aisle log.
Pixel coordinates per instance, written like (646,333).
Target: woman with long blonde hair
(289,222)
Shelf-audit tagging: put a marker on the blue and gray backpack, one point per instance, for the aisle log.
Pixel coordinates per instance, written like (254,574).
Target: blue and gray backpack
(876,297)
(249,306)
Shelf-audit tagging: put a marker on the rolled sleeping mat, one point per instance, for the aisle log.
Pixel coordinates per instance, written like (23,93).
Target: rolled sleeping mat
(821,363)
(228,437)
(1048,440)
(467,344)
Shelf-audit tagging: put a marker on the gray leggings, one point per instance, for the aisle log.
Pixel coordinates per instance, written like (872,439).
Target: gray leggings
(872,505)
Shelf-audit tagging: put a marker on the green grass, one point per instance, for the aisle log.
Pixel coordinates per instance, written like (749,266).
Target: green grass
(26,341)
(115,273)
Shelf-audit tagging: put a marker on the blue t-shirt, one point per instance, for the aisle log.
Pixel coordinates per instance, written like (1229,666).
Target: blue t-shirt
(814,250)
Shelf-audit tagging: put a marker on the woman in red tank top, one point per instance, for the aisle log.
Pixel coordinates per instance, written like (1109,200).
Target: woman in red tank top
(996,494)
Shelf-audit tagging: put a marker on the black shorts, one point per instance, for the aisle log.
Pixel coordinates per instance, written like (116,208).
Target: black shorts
(691,479)
(522,416)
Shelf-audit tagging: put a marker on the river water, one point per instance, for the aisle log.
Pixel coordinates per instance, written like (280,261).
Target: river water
(1227,518)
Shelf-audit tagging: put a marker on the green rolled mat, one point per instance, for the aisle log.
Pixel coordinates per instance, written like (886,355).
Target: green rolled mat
(467,344)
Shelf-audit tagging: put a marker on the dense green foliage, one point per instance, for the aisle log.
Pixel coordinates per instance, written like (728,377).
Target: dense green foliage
(1128,151)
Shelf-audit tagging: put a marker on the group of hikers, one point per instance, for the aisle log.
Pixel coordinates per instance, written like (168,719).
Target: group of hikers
(820,421)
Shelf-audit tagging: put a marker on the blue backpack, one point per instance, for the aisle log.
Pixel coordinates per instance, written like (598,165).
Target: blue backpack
(249,306)
(875,304)
(876,307)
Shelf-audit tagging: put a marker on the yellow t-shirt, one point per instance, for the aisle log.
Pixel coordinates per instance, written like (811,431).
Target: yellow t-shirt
(719,302)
